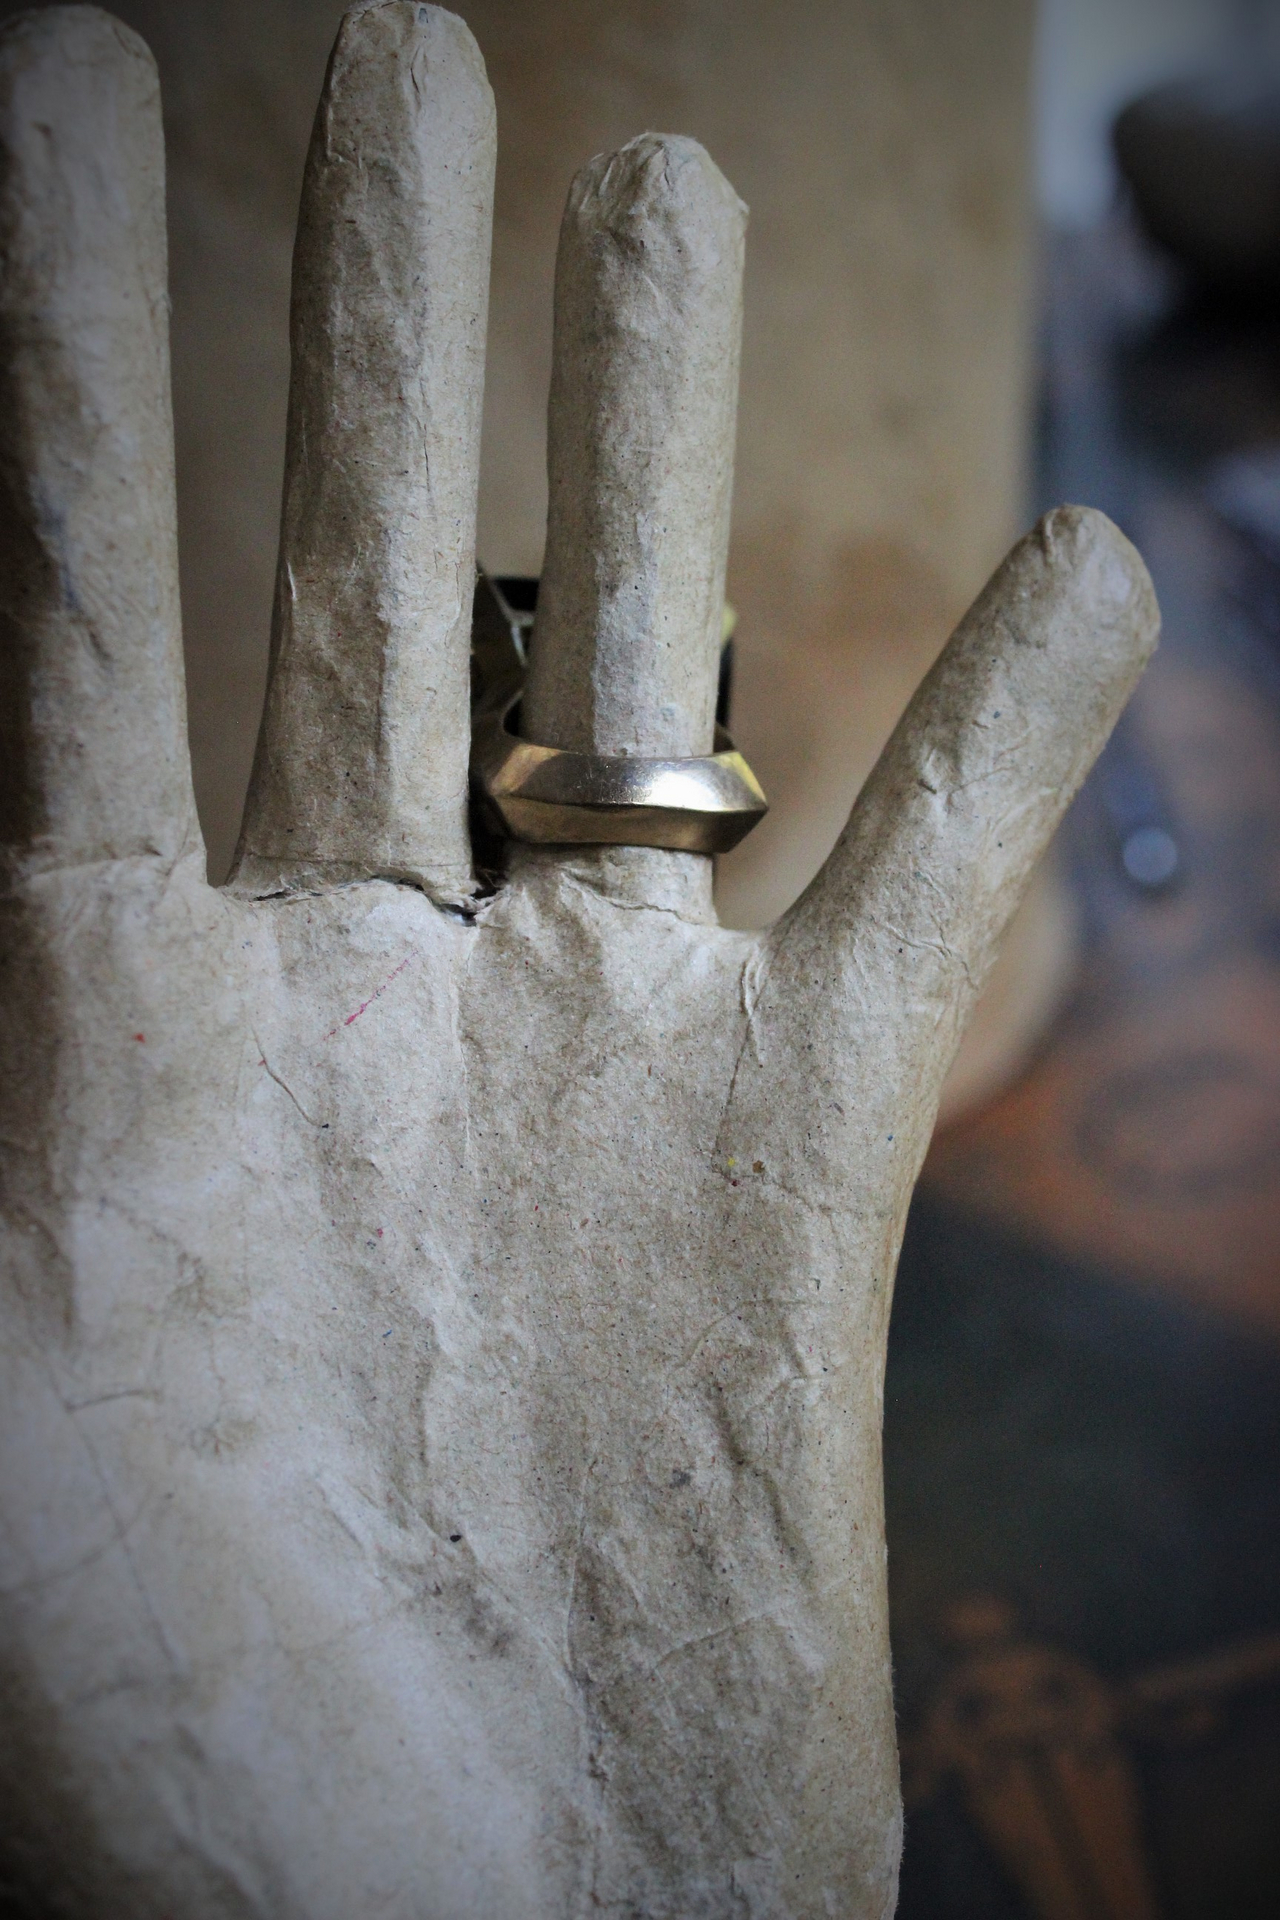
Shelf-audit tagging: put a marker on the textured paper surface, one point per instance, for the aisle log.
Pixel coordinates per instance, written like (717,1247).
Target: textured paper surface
(640,433)
(442,1351)
(363,742)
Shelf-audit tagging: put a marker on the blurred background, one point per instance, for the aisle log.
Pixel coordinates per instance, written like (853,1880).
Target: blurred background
(1083,1408)
(999,256)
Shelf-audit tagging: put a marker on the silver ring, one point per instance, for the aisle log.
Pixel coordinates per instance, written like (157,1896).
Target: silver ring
(549,796)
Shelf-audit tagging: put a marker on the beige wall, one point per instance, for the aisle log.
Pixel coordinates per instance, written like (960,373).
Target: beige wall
(881,147)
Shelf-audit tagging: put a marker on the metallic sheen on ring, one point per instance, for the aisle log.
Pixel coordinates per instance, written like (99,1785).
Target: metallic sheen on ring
(552,797)
(555,798)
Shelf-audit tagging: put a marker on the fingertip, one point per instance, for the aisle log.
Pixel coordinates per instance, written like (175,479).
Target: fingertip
(453,44)
(667,173)
(1104,573)
(429,58)
(70,31)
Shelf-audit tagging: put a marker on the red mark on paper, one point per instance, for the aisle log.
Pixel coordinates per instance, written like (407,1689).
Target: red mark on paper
(140,1036)
(375,995)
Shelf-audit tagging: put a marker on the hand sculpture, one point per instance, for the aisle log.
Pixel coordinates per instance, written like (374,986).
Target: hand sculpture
(443,1336)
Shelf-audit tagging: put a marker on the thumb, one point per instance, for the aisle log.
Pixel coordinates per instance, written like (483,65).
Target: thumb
(895,936)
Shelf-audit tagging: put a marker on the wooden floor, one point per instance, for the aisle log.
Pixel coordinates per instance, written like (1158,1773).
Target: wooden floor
(1083,1403)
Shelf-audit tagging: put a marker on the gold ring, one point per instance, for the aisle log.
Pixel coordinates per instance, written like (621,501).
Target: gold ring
(552,797)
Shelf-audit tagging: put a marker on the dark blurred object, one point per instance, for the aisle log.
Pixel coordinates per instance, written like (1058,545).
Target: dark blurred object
(1202,158)
(1133,800)
(1084,1555)
(1245,493)
(1082,1404)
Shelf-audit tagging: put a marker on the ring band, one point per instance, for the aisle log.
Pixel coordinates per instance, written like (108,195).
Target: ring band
(550,796)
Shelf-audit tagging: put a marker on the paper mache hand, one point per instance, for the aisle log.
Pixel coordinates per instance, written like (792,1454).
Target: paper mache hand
(443,1336)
